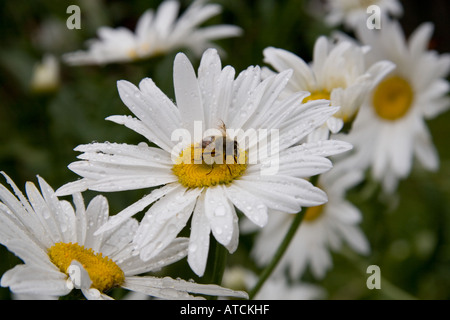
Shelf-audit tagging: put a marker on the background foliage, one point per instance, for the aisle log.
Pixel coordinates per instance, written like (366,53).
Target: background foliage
(409,232)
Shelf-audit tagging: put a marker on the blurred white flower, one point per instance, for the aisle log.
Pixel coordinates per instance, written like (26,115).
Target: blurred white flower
(391,130)
(276,287)
(156,33)
(351,13)
(60,251)
(45,77)
(210,191)
(337,73)
(324,228)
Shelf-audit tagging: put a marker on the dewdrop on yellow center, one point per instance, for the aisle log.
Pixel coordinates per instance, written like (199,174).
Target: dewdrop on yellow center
(103,272)
(193,172)
(392,98)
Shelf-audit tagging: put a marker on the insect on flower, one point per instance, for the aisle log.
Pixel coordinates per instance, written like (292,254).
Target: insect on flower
(217,148)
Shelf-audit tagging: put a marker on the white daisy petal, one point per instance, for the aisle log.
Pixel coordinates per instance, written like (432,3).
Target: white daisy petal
(73,187)
(199,238)
(165,17)
(426,152)
(30,280)
(143,24)
(246,82)
(138,206)
(98,213)
(46,214)
(164,220)
(174,252)
(187,92)
(292,192)
(250,205)
(63,214)
(180,288)
(419,39)
(139,127)
(219,213)
(265,106)
(153,286)
(30,253)
(94,294)
(108,179)
(143,107)
(208,73)
(162,106)
(125,154)
(299,126)
(14,222)
(219,108)
(80,279)
(282,59)
(355,238)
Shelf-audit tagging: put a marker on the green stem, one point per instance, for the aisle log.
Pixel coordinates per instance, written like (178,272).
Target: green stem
(278,255)
(217,260)
(220,261)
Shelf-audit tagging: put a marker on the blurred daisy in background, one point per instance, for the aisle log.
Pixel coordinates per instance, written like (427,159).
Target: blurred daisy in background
(209,191)
(157,32)
(60,251)
(338,73)
(394,116)
(46,75)
(324,228)
(351,13)
(277,287)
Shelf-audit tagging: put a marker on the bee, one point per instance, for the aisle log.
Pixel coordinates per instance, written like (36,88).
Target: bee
(220,147)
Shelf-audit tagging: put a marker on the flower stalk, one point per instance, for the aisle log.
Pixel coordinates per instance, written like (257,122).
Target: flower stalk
(265,274)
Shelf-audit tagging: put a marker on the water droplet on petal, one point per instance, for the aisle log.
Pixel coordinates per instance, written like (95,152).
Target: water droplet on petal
(220,211)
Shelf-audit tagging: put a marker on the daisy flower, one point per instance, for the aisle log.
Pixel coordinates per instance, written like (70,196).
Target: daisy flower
(60,251)
(351,13)
(324,228)
(337,73)
(275,288)
(254,167)
(156,33)
(393,118)
(46,75)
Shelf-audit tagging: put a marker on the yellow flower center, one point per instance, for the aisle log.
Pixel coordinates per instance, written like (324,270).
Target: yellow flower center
(199,167)
(104,273)
(316,95)
(312,213)
(392,98)
(324,94)
(139,52)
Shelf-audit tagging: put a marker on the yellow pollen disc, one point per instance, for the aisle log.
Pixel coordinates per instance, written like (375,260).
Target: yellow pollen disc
(392,98)
(312,213)
(324,94)
(132,53)
(139,52)
(193,172)
(104,273)
(316,95)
